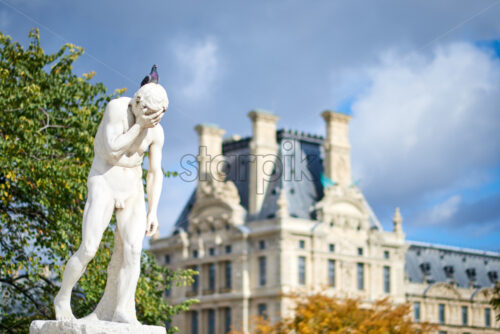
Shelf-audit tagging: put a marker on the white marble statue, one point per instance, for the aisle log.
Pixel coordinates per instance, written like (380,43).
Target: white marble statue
(128,129)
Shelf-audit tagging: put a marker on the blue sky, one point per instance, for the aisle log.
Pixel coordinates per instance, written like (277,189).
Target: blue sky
(420,78)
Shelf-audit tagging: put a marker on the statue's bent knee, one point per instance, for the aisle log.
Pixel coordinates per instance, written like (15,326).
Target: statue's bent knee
(87,253)
(132,252)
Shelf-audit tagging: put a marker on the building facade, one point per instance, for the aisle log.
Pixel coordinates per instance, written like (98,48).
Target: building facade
(278,213)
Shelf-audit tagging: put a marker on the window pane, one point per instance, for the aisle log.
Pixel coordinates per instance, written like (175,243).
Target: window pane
(387,279)
(441,314)
(361,276)
(211,277)
(196,279)
(464,315)
(416,311)
(487,317)
(331,272)
(211,322)
(227,319)
(194,322)
(228,274)
(168,291)
(302,244)
(262,309)
(262,270)
(302,270)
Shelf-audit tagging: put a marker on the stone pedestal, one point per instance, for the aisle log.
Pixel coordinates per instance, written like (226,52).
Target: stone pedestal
(91,327)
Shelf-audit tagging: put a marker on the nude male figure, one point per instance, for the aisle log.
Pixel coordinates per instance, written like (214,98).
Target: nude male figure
(128,129)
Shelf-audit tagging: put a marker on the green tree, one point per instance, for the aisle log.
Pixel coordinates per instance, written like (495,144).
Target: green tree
(48,119)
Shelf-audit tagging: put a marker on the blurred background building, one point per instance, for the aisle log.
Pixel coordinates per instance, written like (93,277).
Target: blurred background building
(279,212)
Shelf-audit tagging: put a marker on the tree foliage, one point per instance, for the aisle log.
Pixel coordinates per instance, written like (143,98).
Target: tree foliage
(495,300)
(320,314)
(48,119)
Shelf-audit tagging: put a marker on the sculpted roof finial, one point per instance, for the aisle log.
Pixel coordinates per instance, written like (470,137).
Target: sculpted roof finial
(397,220)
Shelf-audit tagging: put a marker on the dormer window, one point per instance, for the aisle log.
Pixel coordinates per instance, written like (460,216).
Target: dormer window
(426,268)
(471,274)
(493,276)
(426,272)
(449,271)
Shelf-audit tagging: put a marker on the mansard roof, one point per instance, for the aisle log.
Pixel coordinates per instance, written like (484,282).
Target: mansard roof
(298,172)
(428,263)
(299,154)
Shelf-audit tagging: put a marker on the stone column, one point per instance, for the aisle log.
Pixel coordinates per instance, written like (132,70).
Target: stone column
(337,164)
(263,151)
(210,151)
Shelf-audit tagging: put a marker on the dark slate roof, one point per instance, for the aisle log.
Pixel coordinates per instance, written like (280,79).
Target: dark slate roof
(462,265)
(182,220)
(298,172)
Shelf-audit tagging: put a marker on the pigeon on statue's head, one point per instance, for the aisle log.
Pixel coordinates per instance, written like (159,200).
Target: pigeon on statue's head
(151,77)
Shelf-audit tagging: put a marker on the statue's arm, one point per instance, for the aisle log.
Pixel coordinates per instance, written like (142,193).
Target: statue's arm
(154,180)
(117,140)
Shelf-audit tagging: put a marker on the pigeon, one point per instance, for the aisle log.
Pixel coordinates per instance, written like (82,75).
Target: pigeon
(151,77)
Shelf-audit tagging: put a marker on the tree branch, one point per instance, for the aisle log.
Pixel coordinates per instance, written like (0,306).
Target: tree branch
(26,294)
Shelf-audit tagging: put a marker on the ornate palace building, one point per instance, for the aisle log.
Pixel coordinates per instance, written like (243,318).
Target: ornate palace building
(278,213)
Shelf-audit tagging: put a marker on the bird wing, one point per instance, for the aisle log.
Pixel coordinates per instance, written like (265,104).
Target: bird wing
(146,80)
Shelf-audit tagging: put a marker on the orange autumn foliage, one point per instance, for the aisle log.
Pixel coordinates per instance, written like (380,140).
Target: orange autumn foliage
(320,314)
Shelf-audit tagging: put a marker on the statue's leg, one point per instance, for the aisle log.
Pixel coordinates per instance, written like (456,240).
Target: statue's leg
(131,221)
(97,213)
(107,305)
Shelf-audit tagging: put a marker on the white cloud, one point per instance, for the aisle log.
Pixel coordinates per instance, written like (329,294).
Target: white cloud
(443,211)
(426,124)
(199,66)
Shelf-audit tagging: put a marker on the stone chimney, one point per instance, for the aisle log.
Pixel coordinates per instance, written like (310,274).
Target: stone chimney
(263,154)
(398,222)
(337,164)
(210,157)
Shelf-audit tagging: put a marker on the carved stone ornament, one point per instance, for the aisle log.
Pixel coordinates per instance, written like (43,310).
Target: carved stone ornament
(217,204)
(343,207)
(223,191)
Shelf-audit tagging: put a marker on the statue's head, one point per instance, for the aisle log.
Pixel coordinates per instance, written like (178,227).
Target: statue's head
(150,96)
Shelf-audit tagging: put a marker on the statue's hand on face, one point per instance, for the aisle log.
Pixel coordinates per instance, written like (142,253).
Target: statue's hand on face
(145,117)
